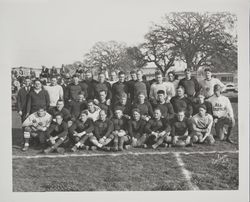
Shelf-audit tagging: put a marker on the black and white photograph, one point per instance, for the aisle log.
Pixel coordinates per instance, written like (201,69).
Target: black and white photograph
(125,96)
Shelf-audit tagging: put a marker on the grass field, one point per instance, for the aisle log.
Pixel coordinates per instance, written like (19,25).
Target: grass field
(200,167)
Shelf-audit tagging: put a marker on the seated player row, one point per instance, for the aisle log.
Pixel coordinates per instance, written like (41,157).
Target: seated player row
(92,127)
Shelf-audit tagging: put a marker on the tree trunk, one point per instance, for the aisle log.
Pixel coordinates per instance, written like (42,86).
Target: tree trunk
(189,64)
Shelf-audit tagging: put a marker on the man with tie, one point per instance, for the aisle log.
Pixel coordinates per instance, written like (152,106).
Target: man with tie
(22,98)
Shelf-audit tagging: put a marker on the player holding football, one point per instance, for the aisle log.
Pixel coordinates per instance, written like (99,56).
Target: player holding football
(180,130)
(35,126)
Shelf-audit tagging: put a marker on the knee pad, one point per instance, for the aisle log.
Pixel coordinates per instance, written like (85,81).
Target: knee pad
(77,139)
(90,134)
(121,133)
(195,138)
(168,139)
(116,139)
(210,140)
(27,129)
(200,138)
(26,134)
(34,134)
(111,136)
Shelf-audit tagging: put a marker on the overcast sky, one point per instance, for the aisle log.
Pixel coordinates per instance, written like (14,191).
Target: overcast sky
(61,32)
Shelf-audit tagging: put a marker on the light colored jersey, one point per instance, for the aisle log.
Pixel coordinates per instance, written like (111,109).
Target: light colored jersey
(203,122)
(35,120)
(221,106)
(95,115)
(207,86)
(175,83)
(55,93)
(167,87)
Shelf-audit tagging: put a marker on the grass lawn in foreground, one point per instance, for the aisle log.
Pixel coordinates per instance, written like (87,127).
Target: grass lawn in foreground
(126,172)
(213,171)
(107,173)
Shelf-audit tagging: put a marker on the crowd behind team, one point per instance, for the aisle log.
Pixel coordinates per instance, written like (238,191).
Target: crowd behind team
(81,113)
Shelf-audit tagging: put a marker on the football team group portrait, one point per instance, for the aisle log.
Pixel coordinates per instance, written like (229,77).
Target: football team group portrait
(156,116)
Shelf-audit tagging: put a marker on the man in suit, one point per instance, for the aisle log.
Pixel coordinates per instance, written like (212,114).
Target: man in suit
(22,98)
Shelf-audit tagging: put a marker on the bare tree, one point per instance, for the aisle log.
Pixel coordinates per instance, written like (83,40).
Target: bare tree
(135,58)
(105,55)
(158,51)
(199,37)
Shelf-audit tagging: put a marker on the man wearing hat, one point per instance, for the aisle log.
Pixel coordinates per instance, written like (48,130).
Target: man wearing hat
(202,123)
(222,113)
(207,84)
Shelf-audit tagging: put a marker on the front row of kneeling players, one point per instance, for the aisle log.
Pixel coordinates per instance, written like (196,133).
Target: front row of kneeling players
(122,132)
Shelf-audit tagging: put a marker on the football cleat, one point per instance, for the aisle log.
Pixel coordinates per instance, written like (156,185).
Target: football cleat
(93,148)
(127,147)
(120,149)
(25,148)
(106,148)
(115,149)
(73,149)
(230,141)
(48,150)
